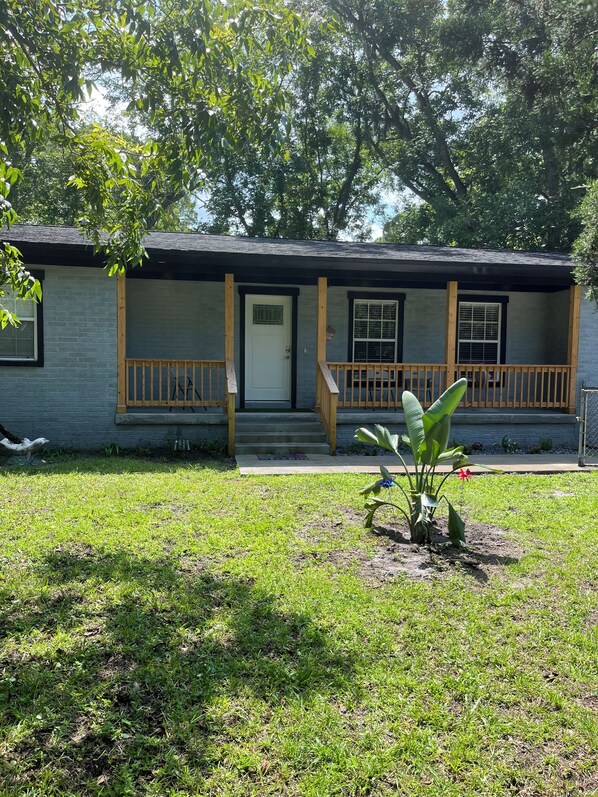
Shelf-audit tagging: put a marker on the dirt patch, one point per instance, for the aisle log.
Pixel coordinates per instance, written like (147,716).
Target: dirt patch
(487,552)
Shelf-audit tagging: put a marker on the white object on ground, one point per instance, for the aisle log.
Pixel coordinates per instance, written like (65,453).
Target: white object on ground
(28,447)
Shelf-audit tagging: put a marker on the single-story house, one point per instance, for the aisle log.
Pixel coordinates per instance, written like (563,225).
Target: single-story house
(264,341)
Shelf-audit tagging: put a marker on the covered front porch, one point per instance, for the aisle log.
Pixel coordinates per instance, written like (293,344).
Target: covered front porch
(325,323)
(499,387)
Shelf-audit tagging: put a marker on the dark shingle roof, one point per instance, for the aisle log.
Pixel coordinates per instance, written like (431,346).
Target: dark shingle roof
(382,254)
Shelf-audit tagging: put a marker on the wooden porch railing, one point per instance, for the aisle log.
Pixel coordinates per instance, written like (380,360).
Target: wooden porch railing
(516,386)
(175,383)
(327,391)
(372,386)
(231,400)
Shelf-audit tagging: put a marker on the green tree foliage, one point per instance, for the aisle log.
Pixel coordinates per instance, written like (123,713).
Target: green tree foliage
(46,194)
(486,114)
(207,77)
(585,249)
(327,179)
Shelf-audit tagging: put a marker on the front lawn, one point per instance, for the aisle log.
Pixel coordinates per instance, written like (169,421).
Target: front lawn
(176,629)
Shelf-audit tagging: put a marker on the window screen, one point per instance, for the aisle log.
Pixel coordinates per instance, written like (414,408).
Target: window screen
(375,330)
(19,343)
(479,332)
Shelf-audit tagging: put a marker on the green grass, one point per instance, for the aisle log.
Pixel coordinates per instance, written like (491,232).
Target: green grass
(175,630)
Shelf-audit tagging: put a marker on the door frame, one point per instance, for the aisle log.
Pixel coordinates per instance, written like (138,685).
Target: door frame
(257,290)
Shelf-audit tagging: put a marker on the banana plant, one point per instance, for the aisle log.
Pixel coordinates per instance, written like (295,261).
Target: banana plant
(428,436)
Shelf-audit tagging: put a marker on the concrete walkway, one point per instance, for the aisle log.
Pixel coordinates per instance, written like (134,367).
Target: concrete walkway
(251,465)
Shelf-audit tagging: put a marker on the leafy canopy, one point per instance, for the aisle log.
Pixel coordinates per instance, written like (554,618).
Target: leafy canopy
(207,76)
(585,250)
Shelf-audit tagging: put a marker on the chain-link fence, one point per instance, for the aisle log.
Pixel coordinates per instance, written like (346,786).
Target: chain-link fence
(588,427)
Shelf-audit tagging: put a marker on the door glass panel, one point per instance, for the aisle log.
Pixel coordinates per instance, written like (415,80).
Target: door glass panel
(268,314)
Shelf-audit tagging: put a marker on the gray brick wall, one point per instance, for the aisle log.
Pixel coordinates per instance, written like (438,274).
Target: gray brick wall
(175,319)
(588,344)
(557,331)
(71,399)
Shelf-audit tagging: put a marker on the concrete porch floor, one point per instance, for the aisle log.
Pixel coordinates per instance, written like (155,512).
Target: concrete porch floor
(250,465)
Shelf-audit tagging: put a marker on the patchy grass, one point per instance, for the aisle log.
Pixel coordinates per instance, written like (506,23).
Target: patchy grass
(177,630)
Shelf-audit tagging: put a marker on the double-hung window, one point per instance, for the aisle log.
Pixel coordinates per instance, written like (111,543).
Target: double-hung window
(480,332)
(21,345)
(375,330)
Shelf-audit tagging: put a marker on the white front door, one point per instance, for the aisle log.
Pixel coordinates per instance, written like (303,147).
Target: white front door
(268,340)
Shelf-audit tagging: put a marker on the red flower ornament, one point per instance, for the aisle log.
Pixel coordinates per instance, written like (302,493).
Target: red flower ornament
(465,474)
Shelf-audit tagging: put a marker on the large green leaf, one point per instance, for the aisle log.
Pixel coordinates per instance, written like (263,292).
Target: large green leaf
(436,440)
(374,488)
(414,413)
(365,436)
(447,403)
(452,453)
(429,452)
(387,440)
(456,526)
(386,473)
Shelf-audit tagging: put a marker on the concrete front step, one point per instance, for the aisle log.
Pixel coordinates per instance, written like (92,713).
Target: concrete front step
(279,433)
(256,418)
(281,448)
(281,436)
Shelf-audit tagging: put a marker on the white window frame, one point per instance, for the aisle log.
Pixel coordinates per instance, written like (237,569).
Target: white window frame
(381,302)
(12,303)
(496,340)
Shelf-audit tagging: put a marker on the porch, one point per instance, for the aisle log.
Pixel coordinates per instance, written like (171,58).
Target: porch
(207,390)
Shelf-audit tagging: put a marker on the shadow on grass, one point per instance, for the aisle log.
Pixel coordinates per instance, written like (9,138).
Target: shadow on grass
(126,670)
(158,462)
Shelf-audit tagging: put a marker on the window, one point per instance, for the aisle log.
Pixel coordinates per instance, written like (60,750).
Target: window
(375,326)
(268,314)
(480,332)
(21,345)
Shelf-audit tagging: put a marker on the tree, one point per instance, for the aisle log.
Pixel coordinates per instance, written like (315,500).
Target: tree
(585,249)
(44,195)
(326,182)
(486,114)
(184,64)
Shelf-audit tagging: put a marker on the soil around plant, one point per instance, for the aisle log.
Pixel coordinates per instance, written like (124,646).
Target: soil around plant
(488,550)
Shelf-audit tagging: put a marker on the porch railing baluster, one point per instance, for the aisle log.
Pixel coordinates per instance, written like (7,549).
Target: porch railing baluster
(379,385)
(175,383)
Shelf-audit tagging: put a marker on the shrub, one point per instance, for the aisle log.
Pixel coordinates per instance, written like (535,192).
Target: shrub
(428,436)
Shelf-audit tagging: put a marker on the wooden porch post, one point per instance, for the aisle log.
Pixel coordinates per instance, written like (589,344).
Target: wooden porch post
(229,357)
(229,317)
(321,332)
(450,349)
(121,343)
(573,345)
